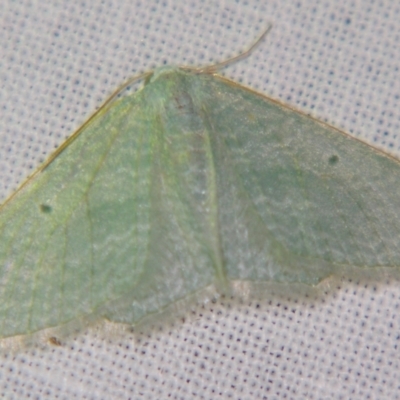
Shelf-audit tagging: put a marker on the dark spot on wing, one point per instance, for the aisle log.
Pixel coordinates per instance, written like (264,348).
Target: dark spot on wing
(333,160)
(45,208)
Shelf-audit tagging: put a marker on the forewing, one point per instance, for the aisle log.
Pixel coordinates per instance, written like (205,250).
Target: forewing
(72,238)
(297,198)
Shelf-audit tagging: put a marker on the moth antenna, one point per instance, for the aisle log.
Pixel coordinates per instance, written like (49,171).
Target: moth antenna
(209,69)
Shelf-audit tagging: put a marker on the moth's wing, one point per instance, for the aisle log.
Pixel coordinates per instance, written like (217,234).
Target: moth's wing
(66,237)
(297,199)
(113,226)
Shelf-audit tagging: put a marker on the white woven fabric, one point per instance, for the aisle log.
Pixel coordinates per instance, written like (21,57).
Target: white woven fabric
(339,61)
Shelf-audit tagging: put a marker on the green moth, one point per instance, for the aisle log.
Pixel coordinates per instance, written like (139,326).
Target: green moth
(193,181)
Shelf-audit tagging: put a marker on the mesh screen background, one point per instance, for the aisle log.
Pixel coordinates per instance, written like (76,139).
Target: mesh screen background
(338,61)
